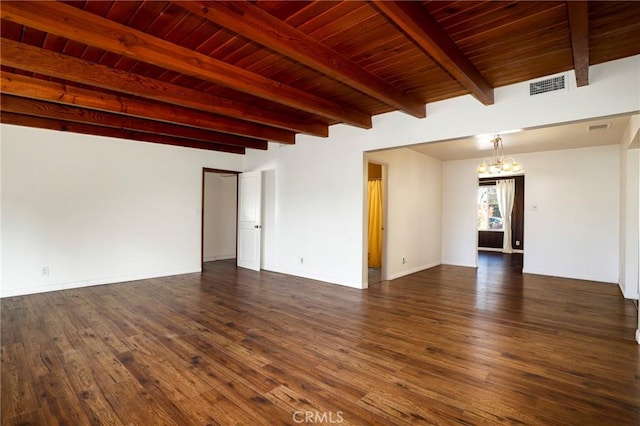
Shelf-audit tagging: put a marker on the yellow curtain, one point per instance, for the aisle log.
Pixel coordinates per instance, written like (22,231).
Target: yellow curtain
(375,223)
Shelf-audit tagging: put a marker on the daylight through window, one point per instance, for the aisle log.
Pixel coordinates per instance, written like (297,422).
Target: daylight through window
(489,217)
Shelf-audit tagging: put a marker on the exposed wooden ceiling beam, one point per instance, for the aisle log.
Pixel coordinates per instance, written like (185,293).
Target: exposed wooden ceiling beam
(416,22)
(255,24)
(578,12)
(90,29)
(46,62)
(35,88)
(87,129)
(55,111)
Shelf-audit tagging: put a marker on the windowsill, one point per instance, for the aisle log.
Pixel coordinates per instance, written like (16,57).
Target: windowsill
(490,230)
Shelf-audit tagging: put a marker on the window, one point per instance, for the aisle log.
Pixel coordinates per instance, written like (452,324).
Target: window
(489,217)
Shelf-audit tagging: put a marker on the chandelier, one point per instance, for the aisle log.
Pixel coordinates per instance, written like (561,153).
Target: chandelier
(498,164)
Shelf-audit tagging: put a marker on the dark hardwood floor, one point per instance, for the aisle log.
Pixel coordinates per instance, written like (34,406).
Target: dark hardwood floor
(492,262)
(444,346)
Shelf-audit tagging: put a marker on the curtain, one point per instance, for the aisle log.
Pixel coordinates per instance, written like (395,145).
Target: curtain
(375,223)
(505,190)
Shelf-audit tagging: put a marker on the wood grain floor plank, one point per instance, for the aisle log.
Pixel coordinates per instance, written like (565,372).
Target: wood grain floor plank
(330,394)
(105,365)
(85,386)
(241,391)
(391,384)
(60,402)
(213,408)
(158,396)
(448,345)
(164,368)
(395,411)
(18,395)
(134,405)
(200,354)
(35,417)
(293,402)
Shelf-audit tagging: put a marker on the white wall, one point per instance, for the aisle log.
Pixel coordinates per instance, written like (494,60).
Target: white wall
(318,210)
(98,210)
(459,218)
(319,181)
(629,202)
(632,251)
(81,205)
(414,210)
(573,231)
(220,211)
(269,237)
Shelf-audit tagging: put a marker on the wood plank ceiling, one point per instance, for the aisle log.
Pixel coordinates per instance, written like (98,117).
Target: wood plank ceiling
(228,76)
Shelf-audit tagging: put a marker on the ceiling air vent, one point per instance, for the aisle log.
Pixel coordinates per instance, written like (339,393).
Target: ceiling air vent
(598,127)
(552,84)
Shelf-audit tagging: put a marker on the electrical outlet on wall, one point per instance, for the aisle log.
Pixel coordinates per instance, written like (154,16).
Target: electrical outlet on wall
(44,271)
(517,243)
(404,260)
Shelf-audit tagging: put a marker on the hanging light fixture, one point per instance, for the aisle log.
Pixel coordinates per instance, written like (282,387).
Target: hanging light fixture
(498,164)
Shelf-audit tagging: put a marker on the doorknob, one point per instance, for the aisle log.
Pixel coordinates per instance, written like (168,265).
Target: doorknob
(257,226)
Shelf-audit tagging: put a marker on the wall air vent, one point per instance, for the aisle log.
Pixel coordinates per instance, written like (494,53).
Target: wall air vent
(598,127)
(552,84)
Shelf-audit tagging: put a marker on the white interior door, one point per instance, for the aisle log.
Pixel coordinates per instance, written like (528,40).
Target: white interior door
(249,220)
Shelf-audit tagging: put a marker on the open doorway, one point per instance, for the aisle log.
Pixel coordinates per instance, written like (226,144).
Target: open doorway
(219,215)
(500,235)
(376,222)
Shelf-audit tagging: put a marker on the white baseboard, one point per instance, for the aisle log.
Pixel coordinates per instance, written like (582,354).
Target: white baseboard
(464,265)
(22,291)
(633,295)
(412,271)
(219,257)
(527,270)
(498,249)
(324,279)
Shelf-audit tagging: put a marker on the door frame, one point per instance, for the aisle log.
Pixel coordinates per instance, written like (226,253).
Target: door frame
(206,170)
(385,214)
